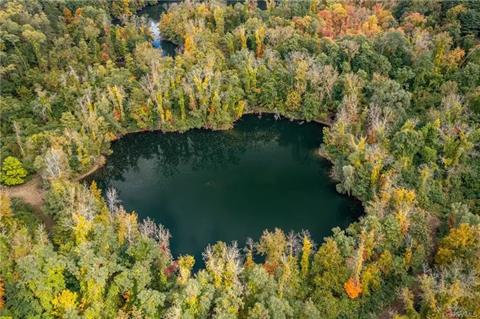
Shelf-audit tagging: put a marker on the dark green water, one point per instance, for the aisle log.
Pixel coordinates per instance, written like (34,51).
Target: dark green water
(207,186)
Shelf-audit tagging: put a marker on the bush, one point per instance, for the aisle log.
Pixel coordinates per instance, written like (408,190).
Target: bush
(12,172)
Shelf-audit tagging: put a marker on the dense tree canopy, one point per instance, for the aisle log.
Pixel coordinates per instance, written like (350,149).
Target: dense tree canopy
(398,84)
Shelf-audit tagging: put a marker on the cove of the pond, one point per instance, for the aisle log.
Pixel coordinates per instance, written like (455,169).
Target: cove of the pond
(153,14)
(207,186)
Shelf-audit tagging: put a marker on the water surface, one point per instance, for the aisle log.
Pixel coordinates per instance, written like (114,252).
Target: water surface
(207,186)
(153,14)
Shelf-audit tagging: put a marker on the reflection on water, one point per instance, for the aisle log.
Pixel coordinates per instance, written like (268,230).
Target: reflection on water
(153,14)
(207,186)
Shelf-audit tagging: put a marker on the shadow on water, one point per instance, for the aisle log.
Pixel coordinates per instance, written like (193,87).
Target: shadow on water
(207,186)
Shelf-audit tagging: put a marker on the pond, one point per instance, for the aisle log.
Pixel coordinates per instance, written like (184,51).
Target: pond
(207,186)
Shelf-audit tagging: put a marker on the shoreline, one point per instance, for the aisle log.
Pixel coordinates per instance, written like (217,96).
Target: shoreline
(102,160)
(33,193)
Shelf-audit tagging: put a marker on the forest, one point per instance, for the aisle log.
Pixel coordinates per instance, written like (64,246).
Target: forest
(397,84)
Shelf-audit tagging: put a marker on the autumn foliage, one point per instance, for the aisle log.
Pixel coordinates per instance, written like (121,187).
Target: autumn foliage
(2,294)
(345,19)
(353,288)
(398,82)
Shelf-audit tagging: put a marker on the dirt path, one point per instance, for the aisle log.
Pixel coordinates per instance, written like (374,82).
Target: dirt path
(32,193)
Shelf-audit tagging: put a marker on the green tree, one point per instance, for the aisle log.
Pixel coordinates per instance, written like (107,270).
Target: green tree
(12,172)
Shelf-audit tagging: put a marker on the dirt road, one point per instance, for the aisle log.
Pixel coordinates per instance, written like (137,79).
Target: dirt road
(32,193)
